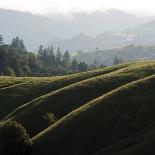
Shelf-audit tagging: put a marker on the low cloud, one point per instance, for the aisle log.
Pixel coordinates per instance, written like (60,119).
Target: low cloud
(67,6)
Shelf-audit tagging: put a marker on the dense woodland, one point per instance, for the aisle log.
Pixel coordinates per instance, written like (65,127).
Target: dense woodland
(15,60)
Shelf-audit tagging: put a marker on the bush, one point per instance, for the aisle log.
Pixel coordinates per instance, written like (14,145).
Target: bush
(49,119)
(14,140)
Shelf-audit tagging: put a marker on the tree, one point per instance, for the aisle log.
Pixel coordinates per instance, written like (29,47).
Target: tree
(3,59)
(49,119)
(40,50)
(66,60)
(51,56)
(74,66)
(47,56)
(16,61)
(14,140)
(82,67)
(18,44)
(33,64)
(26,70)
(58,57)
(117,60)
(1,39)
(20,72)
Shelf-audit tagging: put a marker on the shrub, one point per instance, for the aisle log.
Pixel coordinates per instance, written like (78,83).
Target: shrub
(14,140)
(49,119)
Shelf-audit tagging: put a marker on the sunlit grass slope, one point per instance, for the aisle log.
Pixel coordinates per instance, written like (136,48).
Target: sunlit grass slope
(108,111)
(15,92)
(67,99)
(121,122)
(9,81)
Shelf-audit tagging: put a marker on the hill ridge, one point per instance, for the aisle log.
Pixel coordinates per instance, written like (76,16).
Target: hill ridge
(70,117)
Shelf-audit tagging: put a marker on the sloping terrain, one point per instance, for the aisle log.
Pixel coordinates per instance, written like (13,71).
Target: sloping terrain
(108,111)
(65,100)
(119,122)
(22,90)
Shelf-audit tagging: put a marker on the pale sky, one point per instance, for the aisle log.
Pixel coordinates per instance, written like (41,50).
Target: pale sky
(140,7)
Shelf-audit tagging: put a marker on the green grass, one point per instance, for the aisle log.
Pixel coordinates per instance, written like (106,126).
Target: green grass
(65,100)
(115,123)
(9,81)
(27,89)
(108,111)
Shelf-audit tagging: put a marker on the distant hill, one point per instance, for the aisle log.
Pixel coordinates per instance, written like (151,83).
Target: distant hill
(127,53)
(144,33)
(141,34)
(36,30)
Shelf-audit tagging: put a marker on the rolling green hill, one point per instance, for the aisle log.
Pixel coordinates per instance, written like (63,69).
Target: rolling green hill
(114,123)
(20,91)
(64,100)
(108,111)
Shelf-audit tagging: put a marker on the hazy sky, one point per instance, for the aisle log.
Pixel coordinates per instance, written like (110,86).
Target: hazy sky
(145,7)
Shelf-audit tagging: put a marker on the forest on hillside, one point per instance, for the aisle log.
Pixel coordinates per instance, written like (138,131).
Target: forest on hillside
(15,60)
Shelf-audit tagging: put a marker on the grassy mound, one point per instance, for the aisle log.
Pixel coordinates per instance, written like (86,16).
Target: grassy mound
(9,81)
(67,99)
(15,92)
(120,122)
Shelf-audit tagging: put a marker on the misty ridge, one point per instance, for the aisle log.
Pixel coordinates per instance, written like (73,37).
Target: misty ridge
(79,31)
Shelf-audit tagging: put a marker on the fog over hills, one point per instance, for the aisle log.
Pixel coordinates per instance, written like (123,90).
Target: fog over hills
(144,33)
(79,31)
(126,53)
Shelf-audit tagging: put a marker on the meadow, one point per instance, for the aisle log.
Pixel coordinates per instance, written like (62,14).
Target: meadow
(106,111)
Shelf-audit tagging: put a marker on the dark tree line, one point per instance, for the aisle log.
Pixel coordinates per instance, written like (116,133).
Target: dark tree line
(15,60)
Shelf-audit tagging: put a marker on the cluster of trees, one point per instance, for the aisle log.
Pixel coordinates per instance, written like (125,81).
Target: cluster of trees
(15,60)
(59,63)
(14,139)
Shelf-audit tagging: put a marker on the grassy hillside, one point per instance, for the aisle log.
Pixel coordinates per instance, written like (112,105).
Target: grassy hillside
(9,81)
(65,100)
(19,91)
(116,123)
(108,111)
